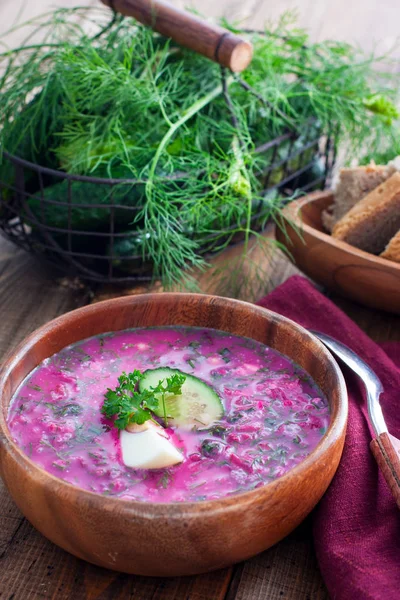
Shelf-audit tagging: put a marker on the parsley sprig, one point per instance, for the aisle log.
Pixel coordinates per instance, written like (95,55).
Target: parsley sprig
(130,405)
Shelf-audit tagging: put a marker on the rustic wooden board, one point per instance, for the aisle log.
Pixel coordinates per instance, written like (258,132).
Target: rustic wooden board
(30,566)
(230,275)
(28,298)
(375,28)
(288,571)
(380,326)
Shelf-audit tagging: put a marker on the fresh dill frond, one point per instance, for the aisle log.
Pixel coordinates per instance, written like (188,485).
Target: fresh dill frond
(94,95)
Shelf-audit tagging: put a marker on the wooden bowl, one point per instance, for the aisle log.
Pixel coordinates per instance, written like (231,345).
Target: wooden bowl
(176,538)
(368,279)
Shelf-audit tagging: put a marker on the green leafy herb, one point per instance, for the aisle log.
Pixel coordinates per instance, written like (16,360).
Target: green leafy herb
(194,486)
(170,385)
(210,448)
(225,354)
(35,387)
(218,430)
(60,455)
(65,410)
(164,480)
(84,435)
(380,105)
(125,102)
(129,405)
(61,466)
(194,345)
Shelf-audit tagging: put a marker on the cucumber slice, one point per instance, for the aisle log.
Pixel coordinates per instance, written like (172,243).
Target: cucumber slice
(198,404)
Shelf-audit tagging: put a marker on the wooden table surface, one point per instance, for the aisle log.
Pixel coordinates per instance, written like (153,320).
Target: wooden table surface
(32,567)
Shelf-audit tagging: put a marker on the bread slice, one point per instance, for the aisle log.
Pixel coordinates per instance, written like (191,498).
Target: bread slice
(352,186)
(374,220)
(392,250)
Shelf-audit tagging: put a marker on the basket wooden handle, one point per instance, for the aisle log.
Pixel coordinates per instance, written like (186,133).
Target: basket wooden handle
(214,42)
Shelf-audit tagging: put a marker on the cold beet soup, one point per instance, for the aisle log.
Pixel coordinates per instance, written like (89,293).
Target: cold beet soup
(168,414)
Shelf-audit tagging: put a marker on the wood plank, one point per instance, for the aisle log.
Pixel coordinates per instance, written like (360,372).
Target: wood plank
(30,566)
(380,326)
(375,28)
(29,296)
(34,568)
(230,273)
(288,571)
(16,13)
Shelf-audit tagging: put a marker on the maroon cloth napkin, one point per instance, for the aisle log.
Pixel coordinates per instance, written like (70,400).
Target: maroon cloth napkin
(357,523)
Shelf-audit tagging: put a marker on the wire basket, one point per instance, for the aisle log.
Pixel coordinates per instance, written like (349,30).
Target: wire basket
(293,163)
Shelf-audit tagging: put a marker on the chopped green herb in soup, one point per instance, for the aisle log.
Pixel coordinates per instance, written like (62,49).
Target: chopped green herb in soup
(169,414)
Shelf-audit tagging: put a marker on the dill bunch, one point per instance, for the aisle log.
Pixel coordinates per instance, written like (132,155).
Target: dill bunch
(113,99)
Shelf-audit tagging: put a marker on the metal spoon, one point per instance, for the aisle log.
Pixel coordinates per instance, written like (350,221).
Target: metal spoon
(385,447)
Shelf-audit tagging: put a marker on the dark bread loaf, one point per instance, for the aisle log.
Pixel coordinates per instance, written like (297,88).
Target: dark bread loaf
(373,221)
(353,185)
(392,250)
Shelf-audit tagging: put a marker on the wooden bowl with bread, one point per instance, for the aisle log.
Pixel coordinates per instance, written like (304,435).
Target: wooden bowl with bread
(349,240)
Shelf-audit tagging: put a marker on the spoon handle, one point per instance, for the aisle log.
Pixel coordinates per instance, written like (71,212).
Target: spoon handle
(385,447)
(386,450)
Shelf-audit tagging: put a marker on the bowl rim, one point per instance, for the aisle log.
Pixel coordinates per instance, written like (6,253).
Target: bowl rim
(173,510)
(294,210)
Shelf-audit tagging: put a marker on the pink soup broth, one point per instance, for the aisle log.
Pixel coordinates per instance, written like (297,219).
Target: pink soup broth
(275,415)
